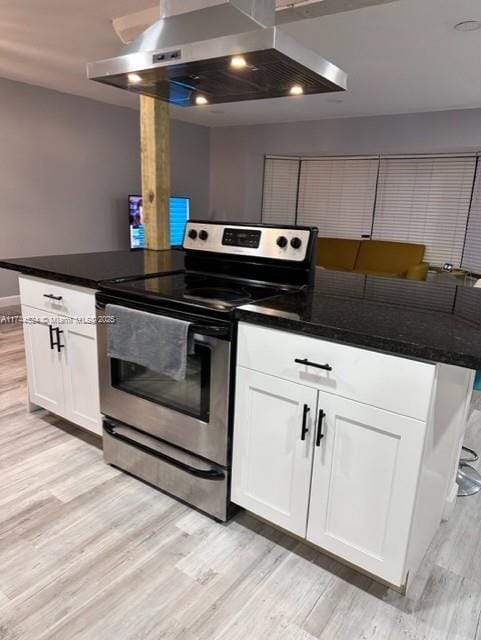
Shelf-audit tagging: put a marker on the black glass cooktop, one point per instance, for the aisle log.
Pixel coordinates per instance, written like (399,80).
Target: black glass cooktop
(196,289)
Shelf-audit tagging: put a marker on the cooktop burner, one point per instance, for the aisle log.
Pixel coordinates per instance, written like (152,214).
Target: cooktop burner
(190,288)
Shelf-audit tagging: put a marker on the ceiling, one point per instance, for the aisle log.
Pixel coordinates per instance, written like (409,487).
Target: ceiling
(401,57)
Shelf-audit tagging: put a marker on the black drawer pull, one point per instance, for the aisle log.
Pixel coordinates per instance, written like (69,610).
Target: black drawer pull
(308,363)
(320,421)
(304,429)
(52,297)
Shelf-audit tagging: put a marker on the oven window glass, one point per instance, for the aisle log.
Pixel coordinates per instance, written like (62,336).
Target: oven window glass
(190,396)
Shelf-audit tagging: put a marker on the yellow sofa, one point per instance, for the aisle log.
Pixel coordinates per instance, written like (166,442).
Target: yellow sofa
(374,257)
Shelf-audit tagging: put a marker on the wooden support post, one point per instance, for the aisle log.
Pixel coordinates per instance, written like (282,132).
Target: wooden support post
(155,158)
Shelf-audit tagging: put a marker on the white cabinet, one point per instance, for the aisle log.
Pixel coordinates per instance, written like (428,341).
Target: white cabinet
(370,480)
(44,364)
(364,484)
(273,450)
(61,352)
(81,382)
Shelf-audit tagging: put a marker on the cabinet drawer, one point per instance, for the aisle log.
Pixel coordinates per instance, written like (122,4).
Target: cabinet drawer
(389,382)
(54,297)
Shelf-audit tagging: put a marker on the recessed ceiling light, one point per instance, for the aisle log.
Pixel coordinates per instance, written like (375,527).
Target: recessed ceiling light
(201,100)
(296,90)
(468,25)
(238,62)
(134,78)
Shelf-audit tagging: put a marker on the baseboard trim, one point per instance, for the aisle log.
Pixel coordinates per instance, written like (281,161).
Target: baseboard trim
(9,301)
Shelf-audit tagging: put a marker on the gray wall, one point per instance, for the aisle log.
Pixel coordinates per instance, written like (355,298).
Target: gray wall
(237,152)
(67,165)
(190,165)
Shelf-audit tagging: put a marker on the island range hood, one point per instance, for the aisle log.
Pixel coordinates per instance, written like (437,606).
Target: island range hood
(214,51)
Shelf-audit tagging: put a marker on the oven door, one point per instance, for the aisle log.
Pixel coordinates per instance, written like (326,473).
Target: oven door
(192,413)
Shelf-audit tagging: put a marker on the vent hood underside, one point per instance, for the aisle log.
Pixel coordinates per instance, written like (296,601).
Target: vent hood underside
(275,63)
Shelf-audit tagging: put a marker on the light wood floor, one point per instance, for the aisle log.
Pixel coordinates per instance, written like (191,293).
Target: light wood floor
(89,553)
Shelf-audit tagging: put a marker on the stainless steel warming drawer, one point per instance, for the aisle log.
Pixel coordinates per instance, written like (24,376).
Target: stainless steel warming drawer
(167,467)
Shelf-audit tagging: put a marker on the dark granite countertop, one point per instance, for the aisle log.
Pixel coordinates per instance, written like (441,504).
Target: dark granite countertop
(89,269)
(439,321)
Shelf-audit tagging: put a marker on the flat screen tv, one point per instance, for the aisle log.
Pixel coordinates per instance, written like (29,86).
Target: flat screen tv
(179,215)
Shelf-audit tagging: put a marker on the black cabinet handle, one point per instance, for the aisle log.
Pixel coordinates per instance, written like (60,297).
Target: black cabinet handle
(57,343)
(325,367)
(52,297)
(304,430)
(50,335)
(59,346)
(320,421)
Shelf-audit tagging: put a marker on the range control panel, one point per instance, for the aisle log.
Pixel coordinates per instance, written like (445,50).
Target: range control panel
(262,242)
(241,238)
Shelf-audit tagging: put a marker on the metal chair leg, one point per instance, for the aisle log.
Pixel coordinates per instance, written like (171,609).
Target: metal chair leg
(474,456)
(468,480)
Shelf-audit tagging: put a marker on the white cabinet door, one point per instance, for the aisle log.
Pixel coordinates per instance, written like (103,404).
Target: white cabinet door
(81,380)
(44,363)
(272,464)
(364,481)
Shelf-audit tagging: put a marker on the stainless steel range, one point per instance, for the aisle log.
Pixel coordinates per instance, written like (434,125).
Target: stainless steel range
(176,434)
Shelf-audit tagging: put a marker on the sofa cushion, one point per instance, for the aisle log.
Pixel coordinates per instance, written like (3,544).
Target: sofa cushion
(390,257)
(337,253)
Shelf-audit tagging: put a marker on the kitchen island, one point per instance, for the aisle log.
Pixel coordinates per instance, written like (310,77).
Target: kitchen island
(351,405)
(351,397)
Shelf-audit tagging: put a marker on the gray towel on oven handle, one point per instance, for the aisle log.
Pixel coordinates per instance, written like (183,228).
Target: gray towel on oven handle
(157,342)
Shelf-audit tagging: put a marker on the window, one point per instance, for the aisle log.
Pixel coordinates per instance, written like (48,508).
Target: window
(337,195)
(418,199)
(279,201)
(472,248)
(425,200)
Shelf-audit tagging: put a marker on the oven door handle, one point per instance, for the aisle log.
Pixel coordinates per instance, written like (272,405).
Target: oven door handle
(205,474)
(209,330)
(202,329)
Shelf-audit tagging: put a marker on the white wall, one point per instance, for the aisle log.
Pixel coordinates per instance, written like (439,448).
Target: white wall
(67,165)
(237,153)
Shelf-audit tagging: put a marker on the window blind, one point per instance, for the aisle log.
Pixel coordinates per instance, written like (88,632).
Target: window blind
(425,200)
(279,200)
(472,247)
(337,195)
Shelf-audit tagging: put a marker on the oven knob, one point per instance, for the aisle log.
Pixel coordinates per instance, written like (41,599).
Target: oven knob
(282,242)
(296,243)
(203,235)
(193,234)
